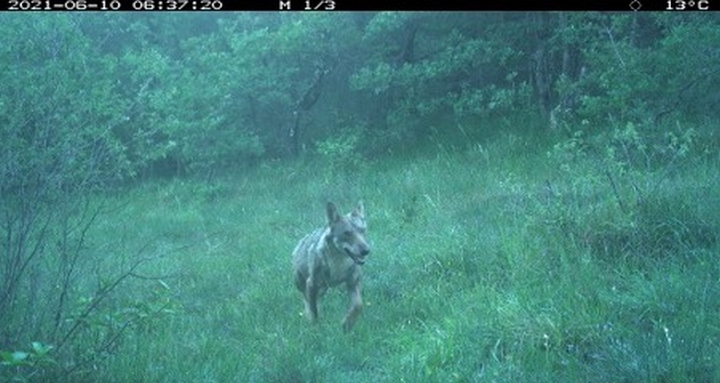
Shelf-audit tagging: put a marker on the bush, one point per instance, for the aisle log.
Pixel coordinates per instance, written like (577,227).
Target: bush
(627,204)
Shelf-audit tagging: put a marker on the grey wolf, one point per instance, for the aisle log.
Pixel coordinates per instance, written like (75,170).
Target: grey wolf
(331,256)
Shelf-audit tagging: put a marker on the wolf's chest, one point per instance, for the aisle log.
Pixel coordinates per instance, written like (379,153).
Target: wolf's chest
(337,268)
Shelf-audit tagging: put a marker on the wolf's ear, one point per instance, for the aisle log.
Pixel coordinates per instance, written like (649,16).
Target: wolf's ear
(360,209)
(332,213)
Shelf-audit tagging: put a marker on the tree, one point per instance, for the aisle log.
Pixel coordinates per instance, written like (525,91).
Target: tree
(58,109)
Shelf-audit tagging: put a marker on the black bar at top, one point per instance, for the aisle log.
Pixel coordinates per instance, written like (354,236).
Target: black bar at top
(350,5)
(448,5)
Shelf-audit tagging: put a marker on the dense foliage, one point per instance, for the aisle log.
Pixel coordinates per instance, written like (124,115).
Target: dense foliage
(188,93)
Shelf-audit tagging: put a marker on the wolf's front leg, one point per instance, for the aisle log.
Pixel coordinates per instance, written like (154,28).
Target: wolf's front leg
(355,307)
(311,296)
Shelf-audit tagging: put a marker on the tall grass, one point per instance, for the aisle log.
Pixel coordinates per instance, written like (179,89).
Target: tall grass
(490,263)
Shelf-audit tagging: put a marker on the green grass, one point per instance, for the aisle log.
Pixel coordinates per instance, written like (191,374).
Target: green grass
(478,273)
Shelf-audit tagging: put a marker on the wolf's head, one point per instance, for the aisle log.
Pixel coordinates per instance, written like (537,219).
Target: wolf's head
(347,232)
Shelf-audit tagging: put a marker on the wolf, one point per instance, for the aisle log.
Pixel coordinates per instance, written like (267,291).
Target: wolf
(331,256)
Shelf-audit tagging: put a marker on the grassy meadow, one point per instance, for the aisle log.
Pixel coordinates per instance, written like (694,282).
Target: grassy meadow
(507,260)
